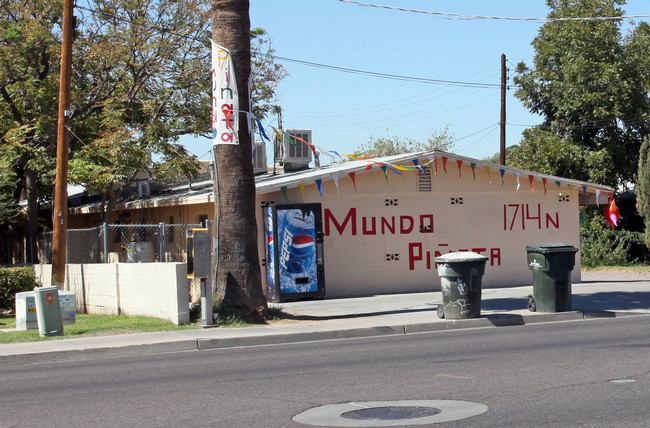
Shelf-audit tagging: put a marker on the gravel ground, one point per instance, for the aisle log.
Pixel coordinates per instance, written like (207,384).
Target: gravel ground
(614,275)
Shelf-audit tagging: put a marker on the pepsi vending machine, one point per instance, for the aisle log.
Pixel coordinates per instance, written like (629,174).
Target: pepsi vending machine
(294,252)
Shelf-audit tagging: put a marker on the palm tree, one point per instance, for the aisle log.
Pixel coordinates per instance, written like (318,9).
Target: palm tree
(238,276)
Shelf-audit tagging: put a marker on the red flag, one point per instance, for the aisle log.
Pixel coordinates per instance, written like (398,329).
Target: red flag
(612,214)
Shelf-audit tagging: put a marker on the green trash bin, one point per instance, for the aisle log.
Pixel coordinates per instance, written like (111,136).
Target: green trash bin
(551,265)
(48,311)
(460,274)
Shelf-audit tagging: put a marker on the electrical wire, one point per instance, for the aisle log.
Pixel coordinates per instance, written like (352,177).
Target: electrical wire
(454,16)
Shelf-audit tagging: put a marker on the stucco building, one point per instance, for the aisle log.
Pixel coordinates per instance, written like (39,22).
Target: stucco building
(386,219)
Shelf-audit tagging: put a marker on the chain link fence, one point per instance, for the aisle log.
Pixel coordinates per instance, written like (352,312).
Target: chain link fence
(125,243)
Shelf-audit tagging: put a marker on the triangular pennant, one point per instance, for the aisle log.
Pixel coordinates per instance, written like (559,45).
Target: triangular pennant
(284,192)
(571,190)
(336,181)
(584,190)
(261,128)
(319,184)
(530,178)
(488,168)
(503,173)
(460,165)
(518,183)
(435,166)
(383,168)
(444,164)
(544,183)
(597,197)
(337,154)
(559,190)
(473,164)
(353,177)
(302,188)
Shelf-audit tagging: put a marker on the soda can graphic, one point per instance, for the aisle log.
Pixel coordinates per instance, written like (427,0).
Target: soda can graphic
(296,240)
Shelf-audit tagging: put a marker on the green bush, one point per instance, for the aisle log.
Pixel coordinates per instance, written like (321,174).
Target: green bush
(604,247)
(12,281)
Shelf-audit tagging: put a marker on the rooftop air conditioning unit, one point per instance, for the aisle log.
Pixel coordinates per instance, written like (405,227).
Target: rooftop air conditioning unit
(295,154)
(259,157)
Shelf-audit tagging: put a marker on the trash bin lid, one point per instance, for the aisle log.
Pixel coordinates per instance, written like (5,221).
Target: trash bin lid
(460,257)
(551,247)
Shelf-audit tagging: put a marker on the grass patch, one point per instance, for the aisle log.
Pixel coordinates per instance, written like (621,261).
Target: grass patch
(90,325)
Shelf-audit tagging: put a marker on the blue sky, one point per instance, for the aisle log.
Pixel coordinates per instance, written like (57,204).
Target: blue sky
(345,109)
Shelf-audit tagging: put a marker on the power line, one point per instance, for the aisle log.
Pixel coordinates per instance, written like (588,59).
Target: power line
(454,16)
(390,76)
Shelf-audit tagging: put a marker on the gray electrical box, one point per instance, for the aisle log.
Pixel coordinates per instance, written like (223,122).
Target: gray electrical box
(26,309)
(198,253)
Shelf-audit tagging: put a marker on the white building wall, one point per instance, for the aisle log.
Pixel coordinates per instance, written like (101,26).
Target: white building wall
(149,289)
(381,249)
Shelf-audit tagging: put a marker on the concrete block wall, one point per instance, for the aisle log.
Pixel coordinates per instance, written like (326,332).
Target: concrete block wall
(157,290)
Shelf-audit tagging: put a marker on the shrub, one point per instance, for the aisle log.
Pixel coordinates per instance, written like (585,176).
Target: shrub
(15,280)
(604,247)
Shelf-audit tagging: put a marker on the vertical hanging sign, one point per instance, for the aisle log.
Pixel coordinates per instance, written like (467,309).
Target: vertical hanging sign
(225,98)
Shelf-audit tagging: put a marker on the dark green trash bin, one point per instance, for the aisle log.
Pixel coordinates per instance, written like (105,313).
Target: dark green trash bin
(551,265)
(460,282)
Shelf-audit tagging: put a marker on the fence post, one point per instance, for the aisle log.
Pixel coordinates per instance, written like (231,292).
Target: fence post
(105,239)
(161,242)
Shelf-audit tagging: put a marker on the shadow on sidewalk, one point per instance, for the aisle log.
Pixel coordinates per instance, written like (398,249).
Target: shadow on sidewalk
(612,301)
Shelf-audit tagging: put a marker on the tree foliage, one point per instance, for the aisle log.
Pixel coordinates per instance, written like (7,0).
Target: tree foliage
(590,85)
(394,145)
(140,80)
(266,74)
(643,187)
(140,83)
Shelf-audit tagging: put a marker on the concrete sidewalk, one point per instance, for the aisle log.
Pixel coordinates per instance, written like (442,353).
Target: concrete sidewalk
(610,295)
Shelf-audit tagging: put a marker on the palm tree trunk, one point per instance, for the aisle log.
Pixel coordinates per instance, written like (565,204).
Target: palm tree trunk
(238,276)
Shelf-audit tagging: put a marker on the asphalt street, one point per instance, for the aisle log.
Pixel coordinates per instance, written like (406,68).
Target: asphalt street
(574,373)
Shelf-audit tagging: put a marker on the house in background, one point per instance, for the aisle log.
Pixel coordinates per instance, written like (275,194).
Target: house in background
(386,219)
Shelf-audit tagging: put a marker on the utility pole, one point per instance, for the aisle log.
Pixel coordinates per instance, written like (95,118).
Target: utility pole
(60,214)
(502,153)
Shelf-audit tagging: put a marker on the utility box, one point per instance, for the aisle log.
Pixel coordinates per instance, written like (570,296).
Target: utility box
(198,253)
(48,311)
(26,309)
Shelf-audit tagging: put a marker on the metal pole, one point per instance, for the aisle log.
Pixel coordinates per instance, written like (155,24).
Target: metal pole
(161,242)
(106,248)
(502,157)
(60,215)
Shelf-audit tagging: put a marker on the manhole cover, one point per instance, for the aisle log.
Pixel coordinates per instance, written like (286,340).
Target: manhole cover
(391,413)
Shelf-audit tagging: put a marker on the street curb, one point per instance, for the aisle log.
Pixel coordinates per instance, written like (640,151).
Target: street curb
(99,352)
(198,344)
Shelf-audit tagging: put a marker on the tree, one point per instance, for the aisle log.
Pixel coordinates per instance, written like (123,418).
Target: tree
(388,146)
(29,52)
(238,276)
(590,84)
(643,187)
(140,84)
(266,73)
(546,152)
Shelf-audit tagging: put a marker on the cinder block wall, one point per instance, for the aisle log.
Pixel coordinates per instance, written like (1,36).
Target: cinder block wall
(157,290)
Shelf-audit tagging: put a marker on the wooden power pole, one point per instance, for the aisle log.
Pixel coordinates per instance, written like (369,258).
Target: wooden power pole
(502,152)
(60,214)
